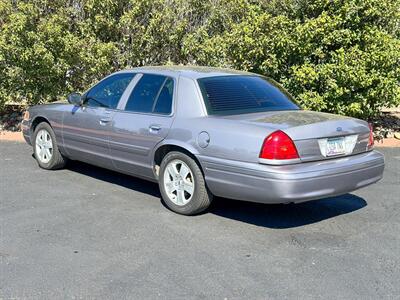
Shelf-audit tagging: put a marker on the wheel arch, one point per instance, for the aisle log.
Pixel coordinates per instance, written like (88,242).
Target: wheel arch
(36,121)
(163,149)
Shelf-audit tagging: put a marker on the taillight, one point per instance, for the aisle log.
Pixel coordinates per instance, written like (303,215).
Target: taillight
(371,136)
(278,145)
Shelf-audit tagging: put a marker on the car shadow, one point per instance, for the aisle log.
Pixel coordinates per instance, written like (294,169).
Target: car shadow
(113,177)
(282,216)
(277,216)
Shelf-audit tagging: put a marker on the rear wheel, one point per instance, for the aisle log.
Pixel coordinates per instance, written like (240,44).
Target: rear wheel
(45,148)
(182,184)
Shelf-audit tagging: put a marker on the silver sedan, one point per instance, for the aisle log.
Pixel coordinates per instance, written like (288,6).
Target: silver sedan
(204,132)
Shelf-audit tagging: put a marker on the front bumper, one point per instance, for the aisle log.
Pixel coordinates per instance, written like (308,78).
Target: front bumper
(291,183)
(26,130)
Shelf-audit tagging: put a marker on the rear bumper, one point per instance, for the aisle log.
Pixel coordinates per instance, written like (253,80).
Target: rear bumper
(291,183)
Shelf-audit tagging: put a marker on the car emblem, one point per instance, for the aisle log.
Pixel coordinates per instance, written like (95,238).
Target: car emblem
(339,129)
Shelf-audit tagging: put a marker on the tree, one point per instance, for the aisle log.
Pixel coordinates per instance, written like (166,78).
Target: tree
(332,55)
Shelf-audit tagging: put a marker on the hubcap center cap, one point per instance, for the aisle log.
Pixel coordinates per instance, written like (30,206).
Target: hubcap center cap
(178,182)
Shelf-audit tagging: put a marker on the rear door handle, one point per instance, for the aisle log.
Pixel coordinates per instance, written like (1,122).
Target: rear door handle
(154,128)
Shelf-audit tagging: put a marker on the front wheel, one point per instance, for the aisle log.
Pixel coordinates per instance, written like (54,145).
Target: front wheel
(182,184)
(45,148)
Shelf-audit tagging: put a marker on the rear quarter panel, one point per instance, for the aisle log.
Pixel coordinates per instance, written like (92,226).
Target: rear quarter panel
(227,139)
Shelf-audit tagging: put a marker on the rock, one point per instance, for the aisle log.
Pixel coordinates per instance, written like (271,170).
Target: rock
(389,134)
(397,135)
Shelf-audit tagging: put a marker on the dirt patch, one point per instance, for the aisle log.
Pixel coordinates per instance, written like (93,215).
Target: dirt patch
(389,142)
(15,136)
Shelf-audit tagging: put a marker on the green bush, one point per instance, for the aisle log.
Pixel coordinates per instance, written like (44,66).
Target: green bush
(332,55)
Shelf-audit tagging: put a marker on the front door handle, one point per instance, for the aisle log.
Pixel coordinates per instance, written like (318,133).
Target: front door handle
(154,128)
(104,121)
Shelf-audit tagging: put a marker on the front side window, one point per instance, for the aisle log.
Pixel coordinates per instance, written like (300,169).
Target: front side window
(108,92)
(238,94)
(152,94)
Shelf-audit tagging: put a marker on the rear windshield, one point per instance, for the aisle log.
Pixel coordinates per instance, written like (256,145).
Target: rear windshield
(239,94)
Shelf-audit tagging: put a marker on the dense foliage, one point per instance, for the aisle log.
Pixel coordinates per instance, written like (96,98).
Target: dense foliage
(339,56)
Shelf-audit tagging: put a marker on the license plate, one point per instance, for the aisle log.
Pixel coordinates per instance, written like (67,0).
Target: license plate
(335,146)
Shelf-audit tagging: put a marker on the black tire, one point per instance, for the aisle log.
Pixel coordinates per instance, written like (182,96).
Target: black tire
(57,161)
(201,198)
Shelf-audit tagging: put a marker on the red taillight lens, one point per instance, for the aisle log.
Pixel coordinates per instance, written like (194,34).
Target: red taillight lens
(371,136)
(278,145)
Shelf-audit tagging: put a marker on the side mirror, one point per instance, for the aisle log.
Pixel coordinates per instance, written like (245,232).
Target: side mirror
(75,99)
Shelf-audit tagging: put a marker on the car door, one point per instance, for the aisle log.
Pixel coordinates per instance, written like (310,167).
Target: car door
(143,121)
(86,128)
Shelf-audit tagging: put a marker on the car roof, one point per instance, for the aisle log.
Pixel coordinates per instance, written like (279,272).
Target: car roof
(193,72)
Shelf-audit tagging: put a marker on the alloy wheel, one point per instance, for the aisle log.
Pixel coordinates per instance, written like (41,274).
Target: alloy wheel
(44,146)
(178,182)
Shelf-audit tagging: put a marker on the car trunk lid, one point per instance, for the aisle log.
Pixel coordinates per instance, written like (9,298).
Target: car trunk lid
(315,134)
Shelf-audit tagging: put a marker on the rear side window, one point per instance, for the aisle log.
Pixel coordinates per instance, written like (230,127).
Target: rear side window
(152,94)
(239,94)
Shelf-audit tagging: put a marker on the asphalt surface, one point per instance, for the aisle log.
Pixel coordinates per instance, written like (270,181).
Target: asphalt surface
(89,233)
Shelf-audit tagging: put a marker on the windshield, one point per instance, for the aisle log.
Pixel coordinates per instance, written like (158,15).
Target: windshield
(239,94)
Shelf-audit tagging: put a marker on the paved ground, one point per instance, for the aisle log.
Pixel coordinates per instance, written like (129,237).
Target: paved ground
(85,233)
